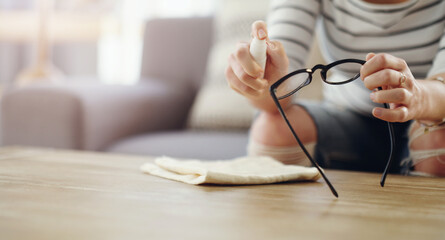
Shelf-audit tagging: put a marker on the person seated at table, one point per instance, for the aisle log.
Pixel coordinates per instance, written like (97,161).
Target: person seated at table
(403,44)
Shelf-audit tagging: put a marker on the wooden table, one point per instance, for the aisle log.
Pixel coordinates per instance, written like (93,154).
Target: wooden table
(54,194)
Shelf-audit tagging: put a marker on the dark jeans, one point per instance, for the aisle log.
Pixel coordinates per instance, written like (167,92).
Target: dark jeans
(351,141)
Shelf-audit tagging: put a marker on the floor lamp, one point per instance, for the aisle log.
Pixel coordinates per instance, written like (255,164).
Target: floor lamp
(42,69)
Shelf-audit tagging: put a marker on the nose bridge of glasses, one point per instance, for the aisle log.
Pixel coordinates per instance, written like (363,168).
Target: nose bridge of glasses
(317,67)
(320,67)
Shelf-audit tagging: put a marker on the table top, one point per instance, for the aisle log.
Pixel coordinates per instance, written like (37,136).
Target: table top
(59,194)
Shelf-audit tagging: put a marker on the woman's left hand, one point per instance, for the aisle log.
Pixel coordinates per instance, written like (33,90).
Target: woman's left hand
(399,87)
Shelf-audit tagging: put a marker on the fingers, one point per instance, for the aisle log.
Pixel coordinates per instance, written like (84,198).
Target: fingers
(377,62)
(369,56)
(245,68)
(276,55)
(243,76)
(239,86)
(385,77)
(243,73)
(400,91)
(399,114)
(259,29)
(246,60)
(395,95)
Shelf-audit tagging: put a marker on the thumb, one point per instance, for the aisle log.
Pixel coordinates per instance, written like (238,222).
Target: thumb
(369,56)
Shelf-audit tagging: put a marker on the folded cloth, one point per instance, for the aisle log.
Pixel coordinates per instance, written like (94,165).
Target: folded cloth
(239,171)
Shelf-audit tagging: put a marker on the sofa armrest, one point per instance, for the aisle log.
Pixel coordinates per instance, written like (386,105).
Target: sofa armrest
(89,116)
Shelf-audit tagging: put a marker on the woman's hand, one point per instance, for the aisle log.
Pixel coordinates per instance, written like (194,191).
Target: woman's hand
(243,74)
(400,89)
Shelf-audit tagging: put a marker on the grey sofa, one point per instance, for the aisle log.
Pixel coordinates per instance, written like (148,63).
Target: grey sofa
(147,118)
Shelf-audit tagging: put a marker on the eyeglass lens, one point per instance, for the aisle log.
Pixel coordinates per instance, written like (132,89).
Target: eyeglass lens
(343,72)
(348,71)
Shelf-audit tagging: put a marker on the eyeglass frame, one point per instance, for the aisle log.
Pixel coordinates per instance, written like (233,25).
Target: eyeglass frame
(323,72)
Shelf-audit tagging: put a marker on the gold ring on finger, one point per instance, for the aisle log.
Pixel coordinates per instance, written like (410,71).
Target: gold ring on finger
(402,79)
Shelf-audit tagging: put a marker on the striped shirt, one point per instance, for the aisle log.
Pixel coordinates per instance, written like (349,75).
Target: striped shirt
(412,30)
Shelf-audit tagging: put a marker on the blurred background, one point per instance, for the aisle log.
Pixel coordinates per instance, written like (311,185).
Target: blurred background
(99,40)
(139,76)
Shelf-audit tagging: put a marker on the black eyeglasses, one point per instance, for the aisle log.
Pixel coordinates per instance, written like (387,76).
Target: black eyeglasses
(296,80)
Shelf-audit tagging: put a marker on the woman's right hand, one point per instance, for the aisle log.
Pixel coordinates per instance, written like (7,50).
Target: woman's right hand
(244,75)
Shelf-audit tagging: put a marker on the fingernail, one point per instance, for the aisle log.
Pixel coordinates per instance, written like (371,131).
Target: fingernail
(378,112)
(261,34)
(271,45)
(372,96)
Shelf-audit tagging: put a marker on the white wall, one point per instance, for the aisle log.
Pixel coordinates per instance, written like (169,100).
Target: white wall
(114,57)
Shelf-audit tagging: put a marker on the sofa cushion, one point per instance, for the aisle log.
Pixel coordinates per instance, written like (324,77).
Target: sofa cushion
(205,145)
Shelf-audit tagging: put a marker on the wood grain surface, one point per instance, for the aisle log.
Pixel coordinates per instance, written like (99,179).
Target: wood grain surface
(59,194)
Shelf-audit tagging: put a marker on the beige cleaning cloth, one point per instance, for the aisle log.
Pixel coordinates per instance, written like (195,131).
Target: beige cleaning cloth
(239,171)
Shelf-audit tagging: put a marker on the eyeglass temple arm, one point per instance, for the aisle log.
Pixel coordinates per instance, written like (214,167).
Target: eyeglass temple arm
(391,136)
(317,166)
(305,150)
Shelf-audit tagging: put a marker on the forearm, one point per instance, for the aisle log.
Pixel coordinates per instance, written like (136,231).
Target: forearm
(433,98)
(425,148)
(267,104)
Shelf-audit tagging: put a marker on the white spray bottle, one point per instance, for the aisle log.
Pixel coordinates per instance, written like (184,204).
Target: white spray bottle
(258,51)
